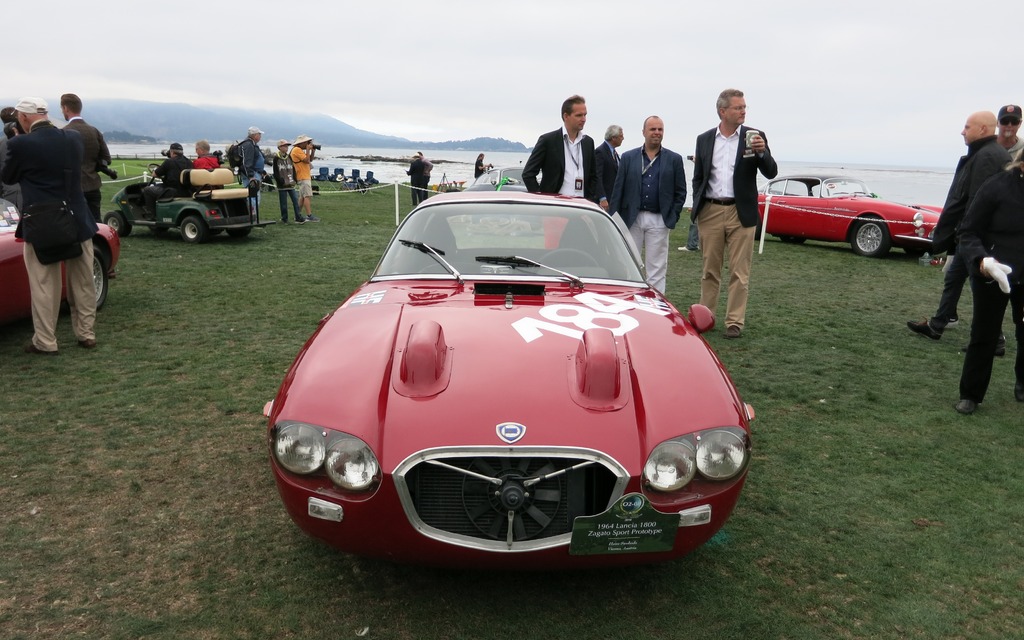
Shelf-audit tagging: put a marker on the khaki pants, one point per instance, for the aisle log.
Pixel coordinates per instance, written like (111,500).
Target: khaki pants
(44,282)
(720,230)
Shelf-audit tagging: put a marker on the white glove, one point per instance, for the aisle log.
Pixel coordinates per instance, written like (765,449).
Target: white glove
(998,272)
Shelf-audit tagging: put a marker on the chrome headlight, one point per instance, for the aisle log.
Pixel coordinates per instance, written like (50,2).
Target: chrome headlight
(721,454)
(351,464)
(918,219)
(299,447)
(671,465)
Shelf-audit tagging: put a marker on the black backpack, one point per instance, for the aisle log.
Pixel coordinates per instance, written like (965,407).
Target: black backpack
(235,153)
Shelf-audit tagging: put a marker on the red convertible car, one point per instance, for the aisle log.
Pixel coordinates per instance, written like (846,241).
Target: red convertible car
(839,209)
(16,302)
(507,391)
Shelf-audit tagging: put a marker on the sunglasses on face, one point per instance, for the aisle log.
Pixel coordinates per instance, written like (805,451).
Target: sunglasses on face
(1009,121)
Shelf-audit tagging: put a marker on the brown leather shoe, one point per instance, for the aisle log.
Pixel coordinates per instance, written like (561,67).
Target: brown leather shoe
(88,343)
(31,348)
(733,332)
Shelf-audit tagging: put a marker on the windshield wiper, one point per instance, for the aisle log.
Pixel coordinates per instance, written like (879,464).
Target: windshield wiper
(434,253)
(519,261)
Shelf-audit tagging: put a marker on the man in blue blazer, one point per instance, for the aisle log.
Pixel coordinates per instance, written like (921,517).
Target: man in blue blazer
(607,160)
(725,168)
(564,158)
(47,163)
(649,192)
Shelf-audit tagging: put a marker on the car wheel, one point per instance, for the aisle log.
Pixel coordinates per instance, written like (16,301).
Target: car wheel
(871,238)
(792,239)
(100,280)
(193,229)
(116,221)
(239,233)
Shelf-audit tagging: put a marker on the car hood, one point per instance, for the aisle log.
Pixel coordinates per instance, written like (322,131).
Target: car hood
(412,366)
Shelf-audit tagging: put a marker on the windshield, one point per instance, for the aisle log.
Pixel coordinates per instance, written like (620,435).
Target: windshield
(582,242)
(834,187)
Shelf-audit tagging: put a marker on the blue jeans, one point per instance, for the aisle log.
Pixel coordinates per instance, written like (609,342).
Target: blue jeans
(283,195)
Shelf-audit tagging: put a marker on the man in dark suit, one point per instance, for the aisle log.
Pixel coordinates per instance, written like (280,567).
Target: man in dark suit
(96,154)
(564,158)
(725,168)
(607,160)
(649,192)
(47,163)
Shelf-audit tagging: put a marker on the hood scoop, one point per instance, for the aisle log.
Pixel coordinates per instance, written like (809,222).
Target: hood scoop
(598,372)
(423,366)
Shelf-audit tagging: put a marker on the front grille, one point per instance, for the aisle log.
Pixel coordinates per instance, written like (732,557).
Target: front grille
(511,499)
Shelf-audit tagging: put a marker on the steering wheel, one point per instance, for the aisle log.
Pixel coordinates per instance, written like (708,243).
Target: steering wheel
(563,256)
(152,167)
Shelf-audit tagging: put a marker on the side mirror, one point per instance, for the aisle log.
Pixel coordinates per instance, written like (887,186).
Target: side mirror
(701,318)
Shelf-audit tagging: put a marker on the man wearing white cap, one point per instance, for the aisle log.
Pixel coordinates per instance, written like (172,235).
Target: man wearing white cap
(47,163)
(250,173)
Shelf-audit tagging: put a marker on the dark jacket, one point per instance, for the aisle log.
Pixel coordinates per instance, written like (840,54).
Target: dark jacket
(548,159)
(607,166)
(671,191)
(994,225)
(47,163)
(170,172)
(94,151)
(985,157)
(744,178)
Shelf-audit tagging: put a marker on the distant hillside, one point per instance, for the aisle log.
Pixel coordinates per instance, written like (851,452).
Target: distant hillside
(140,121)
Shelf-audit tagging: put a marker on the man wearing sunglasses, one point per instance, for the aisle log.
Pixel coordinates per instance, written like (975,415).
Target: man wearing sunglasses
(1009,123)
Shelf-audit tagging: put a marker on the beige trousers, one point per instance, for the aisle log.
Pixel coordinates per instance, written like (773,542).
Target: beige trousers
(45,281)
(720,231)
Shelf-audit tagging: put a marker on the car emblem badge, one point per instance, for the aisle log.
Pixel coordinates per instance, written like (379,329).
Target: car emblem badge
(510,432)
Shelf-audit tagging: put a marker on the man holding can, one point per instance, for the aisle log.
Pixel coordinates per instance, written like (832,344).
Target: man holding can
(725,166)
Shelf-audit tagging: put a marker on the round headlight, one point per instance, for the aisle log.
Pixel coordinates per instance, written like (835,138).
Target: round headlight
(351,464)
(670,466)
(299,447)
(720,454)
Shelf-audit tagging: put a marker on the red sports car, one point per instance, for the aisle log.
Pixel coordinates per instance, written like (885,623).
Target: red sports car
(838,209)
(16,302)
(507,391)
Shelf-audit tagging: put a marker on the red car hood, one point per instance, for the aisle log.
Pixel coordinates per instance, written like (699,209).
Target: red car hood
(447,365)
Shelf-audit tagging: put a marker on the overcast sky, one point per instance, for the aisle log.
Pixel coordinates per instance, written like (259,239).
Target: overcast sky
(873,82)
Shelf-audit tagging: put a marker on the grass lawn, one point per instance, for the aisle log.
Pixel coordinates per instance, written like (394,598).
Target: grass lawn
(138,502)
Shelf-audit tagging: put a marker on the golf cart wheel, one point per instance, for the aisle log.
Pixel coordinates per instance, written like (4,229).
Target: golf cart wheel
(239,233)
(193,229)
(116,221)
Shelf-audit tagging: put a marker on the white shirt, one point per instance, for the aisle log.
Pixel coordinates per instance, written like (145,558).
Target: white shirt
(723,165)
(573,164)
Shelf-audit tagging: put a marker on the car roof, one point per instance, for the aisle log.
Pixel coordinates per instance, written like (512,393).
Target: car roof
(513,197)
(816,176)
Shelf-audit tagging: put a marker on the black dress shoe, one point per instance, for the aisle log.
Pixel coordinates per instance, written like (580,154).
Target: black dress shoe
(1018,391)
(966,406)
(925,329)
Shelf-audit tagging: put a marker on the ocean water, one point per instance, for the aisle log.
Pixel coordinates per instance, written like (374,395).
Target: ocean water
(909,185)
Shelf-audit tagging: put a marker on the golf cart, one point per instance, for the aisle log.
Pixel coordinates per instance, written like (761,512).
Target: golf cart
(210,210)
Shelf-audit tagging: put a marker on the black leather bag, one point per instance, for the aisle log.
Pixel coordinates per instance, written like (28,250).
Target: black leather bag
(49,224)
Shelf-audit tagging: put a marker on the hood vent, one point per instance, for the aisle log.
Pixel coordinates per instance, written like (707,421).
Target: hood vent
(598,372)
(423,366)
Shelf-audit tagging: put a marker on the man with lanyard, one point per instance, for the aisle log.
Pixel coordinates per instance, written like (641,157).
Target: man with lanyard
(649,193)
(564,158)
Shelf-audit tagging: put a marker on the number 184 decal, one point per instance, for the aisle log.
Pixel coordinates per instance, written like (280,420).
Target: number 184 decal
(594,311)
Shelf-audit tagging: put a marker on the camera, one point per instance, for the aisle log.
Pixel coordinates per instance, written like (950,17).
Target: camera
(165,153)
(103,167)
(317,147)
(219,154)
(12,129)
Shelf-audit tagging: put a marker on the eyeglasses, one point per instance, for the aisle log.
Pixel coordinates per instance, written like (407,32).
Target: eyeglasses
(1010,122)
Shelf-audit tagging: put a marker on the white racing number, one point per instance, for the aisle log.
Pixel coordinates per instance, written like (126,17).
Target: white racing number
(594,311)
